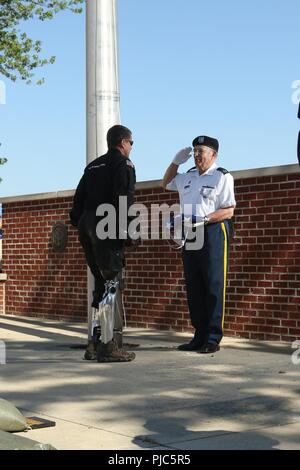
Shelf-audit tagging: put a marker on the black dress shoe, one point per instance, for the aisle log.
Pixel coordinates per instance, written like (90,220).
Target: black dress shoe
(191,346)
(209,348)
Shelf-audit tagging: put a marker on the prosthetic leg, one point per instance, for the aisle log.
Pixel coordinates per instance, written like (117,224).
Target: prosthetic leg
(107,324)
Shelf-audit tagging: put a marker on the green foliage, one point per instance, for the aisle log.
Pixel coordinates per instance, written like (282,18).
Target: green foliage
(19,54)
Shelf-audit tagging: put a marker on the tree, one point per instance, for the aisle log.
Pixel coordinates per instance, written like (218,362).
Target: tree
(19,54)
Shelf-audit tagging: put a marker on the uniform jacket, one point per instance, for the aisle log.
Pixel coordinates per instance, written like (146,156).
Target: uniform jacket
(203,194)
(104,180)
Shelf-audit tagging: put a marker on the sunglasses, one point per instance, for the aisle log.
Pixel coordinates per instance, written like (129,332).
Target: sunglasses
(127,140)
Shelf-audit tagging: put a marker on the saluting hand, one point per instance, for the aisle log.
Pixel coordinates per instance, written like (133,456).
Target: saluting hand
(182,156)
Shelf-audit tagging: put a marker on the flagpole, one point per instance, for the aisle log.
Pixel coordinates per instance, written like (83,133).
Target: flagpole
(102,87)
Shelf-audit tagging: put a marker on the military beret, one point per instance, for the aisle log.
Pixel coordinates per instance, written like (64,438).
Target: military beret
(207,141)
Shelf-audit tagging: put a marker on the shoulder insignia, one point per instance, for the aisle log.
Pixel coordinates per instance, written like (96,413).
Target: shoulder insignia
(91,167)
(222,170)
(129,163)
(192,169)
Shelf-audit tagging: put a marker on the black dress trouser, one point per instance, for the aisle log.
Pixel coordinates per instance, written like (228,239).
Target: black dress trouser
(205,276)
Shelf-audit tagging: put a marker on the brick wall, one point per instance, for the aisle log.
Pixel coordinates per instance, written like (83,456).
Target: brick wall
(263,296)
(2,293)
(41,282)
(264,281)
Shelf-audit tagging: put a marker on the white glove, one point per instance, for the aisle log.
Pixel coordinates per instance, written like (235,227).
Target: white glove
(182,156)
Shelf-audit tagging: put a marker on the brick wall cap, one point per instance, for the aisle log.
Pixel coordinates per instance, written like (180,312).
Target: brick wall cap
(266,171)
(37,197)
(239,174)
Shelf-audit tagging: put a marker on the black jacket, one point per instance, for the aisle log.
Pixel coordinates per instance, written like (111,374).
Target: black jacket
(104,180)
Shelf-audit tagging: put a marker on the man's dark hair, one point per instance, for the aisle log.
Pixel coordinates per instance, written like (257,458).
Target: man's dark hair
(115,134)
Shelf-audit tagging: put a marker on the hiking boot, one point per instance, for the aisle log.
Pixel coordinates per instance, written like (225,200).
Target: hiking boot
(110,352)
(90,352)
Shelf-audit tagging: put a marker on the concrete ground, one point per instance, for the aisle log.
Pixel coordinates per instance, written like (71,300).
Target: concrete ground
(246,396)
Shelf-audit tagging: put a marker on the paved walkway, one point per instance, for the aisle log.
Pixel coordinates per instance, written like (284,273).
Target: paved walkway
(246,396)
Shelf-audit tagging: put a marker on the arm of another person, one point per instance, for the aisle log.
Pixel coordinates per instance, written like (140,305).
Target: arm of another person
(169,175)
(123,187)
(221,214)
(181,157)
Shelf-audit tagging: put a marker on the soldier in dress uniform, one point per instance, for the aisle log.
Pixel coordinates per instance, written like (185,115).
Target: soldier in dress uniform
(206,192)
(104,181)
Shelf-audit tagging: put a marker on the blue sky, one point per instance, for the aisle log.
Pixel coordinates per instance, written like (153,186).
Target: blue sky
(187,67)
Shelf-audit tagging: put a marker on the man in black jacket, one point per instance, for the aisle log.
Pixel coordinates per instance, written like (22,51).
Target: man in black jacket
(105,180)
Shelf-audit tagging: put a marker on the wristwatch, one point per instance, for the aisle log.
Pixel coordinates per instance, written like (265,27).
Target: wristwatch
(206,219)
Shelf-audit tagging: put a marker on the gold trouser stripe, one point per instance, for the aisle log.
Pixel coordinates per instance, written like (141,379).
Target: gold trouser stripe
(225,272)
